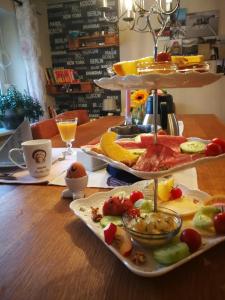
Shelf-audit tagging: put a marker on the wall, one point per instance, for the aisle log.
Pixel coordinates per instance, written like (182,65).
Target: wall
(206,100)
(89,58)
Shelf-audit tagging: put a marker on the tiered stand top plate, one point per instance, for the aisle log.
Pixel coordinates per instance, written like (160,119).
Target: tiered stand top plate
(158,81)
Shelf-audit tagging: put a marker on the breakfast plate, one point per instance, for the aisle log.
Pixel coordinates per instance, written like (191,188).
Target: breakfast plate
(158,81)
(82,209)
(154,174)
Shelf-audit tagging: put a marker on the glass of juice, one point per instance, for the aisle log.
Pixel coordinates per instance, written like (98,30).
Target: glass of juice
(67,129)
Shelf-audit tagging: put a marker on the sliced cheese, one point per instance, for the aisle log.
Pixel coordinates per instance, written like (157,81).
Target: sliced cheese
(185,206)
(187,60)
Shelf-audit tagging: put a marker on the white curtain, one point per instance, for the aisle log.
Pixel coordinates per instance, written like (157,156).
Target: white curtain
(4,62)
(29,41)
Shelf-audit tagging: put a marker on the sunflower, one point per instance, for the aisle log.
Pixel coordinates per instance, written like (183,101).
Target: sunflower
(138,98)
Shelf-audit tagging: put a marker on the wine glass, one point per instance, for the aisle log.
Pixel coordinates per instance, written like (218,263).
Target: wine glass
(67,129)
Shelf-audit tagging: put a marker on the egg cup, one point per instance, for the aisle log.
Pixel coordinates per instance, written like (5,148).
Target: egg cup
(76,187)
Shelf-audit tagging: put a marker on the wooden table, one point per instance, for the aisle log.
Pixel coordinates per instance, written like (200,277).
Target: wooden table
(47,253)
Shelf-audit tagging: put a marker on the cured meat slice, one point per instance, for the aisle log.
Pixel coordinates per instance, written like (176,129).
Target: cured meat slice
(160,157)
(129,144)
(170,141)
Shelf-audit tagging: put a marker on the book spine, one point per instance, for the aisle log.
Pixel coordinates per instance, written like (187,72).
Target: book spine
(51,75)
(48,80)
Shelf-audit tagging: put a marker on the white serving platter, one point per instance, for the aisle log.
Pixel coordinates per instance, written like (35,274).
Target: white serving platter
(158,81)
(82,209)
(155,174)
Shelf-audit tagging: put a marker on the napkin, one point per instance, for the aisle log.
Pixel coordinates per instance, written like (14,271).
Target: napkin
(100,179)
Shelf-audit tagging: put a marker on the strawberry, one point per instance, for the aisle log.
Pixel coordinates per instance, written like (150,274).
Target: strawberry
(127,204)
(163,56)
(134,212)
(116,206)
(113,207)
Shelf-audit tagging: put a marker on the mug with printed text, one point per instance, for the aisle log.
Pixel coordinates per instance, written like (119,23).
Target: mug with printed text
(37,156)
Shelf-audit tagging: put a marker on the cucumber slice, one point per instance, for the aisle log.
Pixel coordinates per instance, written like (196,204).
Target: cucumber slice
(145,206)
(111,219)
(193,147)
(202,221)
(203,218)
(171,254)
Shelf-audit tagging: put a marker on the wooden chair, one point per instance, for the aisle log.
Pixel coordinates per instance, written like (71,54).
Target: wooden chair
(81,114)
(52,112)
(44,129)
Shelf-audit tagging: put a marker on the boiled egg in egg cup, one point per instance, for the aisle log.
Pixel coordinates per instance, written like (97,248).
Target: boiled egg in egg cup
(76,180)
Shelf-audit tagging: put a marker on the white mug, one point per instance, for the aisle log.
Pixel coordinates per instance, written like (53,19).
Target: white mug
(37,156)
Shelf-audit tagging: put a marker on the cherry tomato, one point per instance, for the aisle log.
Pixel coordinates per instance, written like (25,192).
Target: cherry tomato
(192,238)
(175,193)
(163,56)
(219,223)
(136,195)
(219,142)
(213,149)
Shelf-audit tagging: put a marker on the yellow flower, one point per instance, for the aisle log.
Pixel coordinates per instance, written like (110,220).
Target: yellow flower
(138,98)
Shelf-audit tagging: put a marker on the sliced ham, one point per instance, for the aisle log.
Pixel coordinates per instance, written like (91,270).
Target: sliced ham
(170,141)
(160,157)
(129,144)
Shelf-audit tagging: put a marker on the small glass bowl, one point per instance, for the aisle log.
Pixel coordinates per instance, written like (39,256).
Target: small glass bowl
(165,67)
(152,239)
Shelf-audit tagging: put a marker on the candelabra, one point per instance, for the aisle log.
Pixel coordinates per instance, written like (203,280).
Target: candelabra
(138,16)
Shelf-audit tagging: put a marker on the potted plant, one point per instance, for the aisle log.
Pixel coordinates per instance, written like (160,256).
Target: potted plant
(15,106)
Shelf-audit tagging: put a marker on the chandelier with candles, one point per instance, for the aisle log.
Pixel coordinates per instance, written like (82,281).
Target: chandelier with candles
(138,15)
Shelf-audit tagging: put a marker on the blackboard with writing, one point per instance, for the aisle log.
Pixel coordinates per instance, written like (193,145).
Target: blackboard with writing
(80,19)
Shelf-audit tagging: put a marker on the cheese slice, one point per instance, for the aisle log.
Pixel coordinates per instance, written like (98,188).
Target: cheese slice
(187,60)
(186,206)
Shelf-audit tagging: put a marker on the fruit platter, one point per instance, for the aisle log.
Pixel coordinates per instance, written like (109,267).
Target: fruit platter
(123,219)
(146,160)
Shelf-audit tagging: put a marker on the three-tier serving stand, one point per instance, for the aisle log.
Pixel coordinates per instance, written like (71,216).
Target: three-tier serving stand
(153,82)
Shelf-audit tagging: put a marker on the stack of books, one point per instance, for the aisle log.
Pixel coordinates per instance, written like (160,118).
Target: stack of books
(61,76)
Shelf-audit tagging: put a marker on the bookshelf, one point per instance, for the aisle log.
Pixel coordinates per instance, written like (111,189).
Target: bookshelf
(93,42)
(69,88)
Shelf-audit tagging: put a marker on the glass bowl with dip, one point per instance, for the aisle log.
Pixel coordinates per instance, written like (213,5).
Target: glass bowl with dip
(153,229)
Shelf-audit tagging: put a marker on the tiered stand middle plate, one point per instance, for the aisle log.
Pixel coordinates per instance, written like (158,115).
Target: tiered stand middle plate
(188,79)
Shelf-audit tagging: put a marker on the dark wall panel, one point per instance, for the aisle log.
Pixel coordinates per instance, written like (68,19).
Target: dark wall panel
(85,18)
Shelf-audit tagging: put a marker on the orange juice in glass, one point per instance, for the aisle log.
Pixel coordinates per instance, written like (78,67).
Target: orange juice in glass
(67,129)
